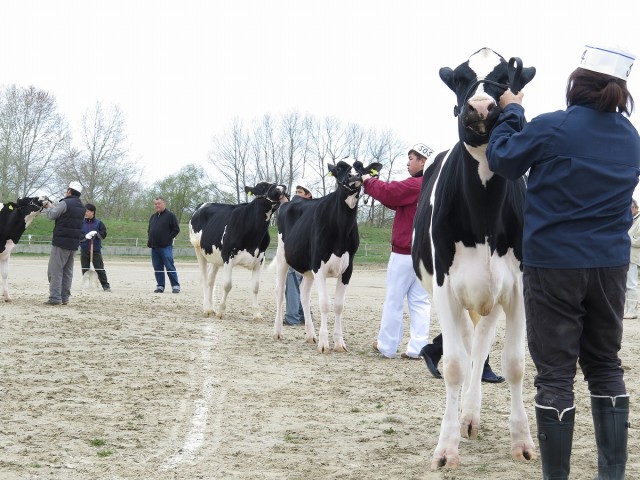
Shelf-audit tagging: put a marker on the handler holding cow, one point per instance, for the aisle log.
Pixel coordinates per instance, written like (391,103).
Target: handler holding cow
(402,197)
(583,167)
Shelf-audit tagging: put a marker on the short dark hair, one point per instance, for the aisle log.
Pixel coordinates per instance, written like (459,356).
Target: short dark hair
(91,207)
(607,93)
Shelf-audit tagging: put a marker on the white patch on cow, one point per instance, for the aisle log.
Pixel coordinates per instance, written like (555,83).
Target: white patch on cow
(483,63)
(29,217)
(480,280)
(268,215)
(335,266)
(223,234)
(1,205)
(480,155)
(352,200)
(4,269)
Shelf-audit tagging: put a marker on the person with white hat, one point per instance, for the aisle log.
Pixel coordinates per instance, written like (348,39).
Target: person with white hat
(294,314)
(583,165)
(67,234)
(402,197)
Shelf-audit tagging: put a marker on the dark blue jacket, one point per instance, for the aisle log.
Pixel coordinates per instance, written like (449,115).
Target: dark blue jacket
(90,225)
(584,167)
(66,232)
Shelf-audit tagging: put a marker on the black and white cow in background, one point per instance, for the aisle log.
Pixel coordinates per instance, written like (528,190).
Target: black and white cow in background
(318,238)
(229,235)
(467,251)
(14,219)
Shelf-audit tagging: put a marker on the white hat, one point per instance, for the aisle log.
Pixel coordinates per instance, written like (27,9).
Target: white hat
(607,60)
(77,186)
(422,149)
(304,187)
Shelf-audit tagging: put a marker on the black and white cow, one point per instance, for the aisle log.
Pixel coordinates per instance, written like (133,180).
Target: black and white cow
(14,219)
(467,251)
(319,238)
(229,235)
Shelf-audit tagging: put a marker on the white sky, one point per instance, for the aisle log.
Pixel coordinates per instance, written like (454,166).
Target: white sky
(182,70)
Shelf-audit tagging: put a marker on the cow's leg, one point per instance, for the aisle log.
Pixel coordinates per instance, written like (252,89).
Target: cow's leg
(4,269)
(226,287)
(207,307)
(456,331)
(255,283)
(212,273)
(305,299)
(325,302)
(338,308)
(472,390)
(513,358)
(281,276)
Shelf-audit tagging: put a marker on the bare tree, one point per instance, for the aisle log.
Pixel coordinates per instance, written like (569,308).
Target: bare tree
(327,146)
(230,157)
(102,164)
(32,139)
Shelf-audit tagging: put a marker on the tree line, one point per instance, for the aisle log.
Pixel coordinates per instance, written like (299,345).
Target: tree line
(38,153)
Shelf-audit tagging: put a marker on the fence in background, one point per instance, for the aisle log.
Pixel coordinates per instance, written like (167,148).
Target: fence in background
(41,244)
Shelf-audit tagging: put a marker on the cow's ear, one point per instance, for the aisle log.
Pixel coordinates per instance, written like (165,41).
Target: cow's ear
(373,169)
(248,190)
(446,75)
(527,75)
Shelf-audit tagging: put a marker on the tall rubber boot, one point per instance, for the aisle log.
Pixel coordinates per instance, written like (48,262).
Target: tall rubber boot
(555,438)
(611,424)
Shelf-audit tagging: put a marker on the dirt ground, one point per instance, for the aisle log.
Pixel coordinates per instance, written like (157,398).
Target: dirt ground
(137,385)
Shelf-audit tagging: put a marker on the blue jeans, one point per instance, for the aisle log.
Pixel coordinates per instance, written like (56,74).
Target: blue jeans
(161,258)
(294,314)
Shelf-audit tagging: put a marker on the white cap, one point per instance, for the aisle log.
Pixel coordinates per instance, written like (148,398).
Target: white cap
(77,186)
(607,60)
(304,187)
(422,149)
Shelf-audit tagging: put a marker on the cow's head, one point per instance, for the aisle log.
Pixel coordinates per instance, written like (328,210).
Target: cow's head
(30,207)
(271,192)
(478,84)
(348,174)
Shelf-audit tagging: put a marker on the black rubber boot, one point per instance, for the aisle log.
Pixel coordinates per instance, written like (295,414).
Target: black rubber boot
(555,437)
(611,425)
(432,353)
(488,374)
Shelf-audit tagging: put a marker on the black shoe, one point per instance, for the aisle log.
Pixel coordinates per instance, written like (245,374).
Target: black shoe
(175,289)
(159,290)
(431,360)
(489,377)
(52,304)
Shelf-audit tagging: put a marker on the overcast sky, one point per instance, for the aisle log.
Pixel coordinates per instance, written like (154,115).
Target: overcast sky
(182,70)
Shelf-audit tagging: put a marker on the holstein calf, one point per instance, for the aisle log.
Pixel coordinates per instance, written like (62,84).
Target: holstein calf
(14,219)
(229,235)
(467,251)
(319,238)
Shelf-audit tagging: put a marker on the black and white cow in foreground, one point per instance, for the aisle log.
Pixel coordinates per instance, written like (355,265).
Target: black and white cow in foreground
(319,238)
(14,219)
(229,235)
(467,252)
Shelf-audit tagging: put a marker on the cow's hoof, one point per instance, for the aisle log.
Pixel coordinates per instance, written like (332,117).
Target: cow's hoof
(446,461)
(324,349)
(340,348)
(310,340)
(469,429)
(257,317)
(277,336)
(7,300)
(521,453)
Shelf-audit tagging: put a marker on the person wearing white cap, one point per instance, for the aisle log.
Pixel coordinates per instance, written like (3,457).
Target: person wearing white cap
(583,165)
(402,197)
(294,314)
(67,233)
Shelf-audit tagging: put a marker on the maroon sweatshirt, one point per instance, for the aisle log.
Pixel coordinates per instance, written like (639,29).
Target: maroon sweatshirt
(401,196)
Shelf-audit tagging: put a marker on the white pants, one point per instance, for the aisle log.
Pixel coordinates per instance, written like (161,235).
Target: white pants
(402,282)
(631,301)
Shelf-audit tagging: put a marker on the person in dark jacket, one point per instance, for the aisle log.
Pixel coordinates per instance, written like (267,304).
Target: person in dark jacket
(94,231)
(163,228)
(67,232)
(583,165)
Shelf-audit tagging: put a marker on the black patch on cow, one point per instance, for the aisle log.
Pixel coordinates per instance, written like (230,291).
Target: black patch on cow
(12,218)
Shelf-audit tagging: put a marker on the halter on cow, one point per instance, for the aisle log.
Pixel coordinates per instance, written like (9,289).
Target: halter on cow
(467,252)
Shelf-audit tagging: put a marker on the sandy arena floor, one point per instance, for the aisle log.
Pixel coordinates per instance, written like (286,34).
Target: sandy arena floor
(137,385)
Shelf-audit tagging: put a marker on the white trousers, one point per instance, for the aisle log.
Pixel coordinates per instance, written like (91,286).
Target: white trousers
(402,282)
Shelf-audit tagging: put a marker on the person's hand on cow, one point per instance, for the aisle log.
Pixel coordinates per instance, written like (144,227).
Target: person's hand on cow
(509,97)
(90,235)
(365,177)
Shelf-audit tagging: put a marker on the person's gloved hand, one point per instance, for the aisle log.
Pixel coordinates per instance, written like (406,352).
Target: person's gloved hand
(90,235)
(366,177)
